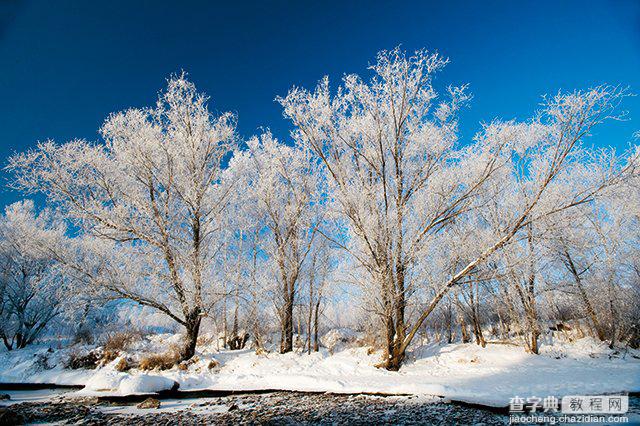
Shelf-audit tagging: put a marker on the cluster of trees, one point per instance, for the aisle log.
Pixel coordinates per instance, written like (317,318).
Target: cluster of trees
(375,192)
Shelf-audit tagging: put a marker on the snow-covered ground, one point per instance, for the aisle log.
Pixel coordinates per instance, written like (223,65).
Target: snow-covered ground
(465,372)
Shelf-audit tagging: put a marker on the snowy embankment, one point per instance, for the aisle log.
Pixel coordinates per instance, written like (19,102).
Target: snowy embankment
(463,372)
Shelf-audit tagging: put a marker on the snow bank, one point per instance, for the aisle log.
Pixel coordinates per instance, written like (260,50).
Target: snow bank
(465,372)
(144,383)
(104,380)
(40,364)
(114,383)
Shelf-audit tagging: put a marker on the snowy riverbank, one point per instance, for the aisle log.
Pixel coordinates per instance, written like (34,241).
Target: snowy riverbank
(463,372)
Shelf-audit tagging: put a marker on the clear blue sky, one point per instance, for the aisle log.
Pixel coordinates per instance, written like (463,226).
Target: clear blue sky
(64,66)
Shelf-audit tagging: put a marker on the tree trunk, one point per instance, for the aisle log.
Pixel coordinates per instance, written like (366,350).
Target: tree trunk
(192,328)
(504,330)
(287,328)
(533,345)
(299,331)
(22,342)
(449,322)
(19,341)
(309,326)
(389,334)
(316,324)
(395,359)
(310,318)
(583,295)
(224,320)
(531,295)
(234,329)
(7,343)
(395,325)
(400,304)
(463,328)
(532,322)
(477,329)
(592,313)
(613,321)
(286,340)
(387,318)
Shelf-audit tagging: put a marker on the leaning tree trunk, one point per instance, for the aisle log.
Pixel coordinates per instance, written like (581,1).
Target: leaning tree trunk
(583,295)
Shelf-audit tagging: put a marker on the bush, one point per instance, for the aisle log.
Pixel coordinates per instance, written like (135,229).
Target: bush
(205,340)
(42,362)
(184,365)
(163,361)
(108,356)
(121,341)
(88,360)
(123,365)
(370,341)
(83,336)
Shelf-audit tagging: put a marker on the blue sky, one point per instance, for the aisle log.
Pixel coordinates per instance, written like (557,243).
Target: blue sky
(64,66)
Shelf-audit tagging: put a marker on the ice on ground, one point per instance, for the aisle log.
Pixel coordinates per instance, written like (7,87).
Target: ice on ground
(193,405)
(465,372)
(32,395)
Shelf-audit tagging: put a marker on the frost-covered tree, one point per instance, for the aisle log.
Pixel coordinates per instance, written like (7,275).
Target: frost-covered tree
(33,291)
(402,182)
(283,188)
(151,196)
(397,175)
(576,250)
(614,275)
(317,278)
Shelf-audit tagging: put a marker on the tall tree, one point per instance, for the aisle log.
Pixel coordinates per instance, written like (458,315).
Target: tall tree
(33,290)
(401,181)
(283,185)
(155,188)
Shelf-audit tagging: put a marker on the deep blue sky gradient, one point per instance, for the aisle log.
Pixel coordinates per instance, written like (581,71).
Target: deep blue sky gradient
(64,66)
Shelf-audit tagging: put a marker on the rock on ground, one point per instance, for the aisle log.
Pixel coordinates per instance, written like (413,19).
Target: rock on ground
(149,403)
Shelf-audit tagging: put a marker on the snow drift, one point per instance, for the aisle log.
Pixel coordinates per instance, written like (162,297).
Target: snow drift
(465,372)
